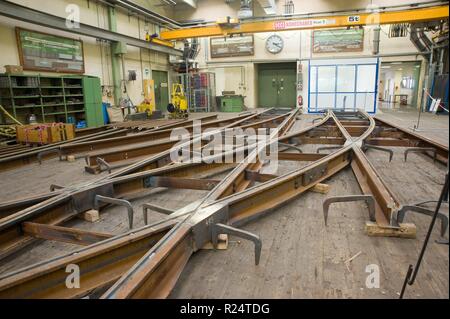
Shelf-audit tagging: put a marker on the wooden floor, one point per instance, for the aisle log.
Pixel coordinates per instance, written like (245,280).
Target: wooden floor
(301,258)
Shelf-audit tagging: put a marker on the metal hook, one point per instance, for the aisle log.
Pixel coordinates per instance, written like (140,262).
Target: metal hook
(159,209)
(350,198)
(421,150)
(225,229)
(119,202)
(379,148)
(422,210)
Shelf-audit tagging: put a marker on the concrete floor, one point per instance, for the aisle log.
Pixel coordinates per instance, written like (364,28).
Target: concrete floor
(301,258)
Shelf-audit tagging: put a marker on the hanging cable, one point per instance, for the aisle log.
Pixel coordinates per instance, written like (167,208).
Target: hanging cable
(412,271)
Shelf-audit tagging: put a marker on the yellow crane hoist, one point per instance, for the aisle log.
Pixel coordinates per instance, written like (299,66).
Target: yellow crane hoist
(178,108)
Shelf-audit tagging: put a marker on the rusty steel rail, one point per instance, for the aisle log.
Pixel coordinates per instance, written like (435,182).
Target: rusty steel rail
(159,160)
(80,149)
(390,135)
(66,205)
(125,155)
(125,185)
(147,262)
(29,156)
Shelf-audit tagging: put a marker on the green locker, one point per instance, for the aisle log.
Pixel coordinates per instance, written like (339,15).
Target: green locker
(231,103)
(93,101)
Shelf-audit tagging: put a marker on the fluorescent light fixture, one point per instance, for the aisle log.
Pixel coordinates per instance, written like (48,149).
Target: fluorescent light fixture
(396,62)
(385,67)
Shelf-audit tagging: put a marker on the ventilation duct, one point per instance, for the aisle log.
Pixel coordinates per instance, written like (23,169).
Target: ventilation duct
(246,10)
(269,6)
(419,38)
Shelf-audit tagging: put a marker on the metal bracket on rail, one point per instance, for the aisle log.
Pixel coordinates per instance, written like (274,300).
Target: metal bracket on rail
(378,148)
(421,150)
(101,162)
(327,148)
(54,187)
(225,229)
(350,198)
(159,209)
(39,156)
(120,202)
(317,120)
(422,210)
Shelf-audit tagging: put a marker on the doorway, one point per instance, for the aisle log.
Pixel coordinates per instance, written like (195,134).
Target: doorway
(400,83)
(161,90)
(277,85)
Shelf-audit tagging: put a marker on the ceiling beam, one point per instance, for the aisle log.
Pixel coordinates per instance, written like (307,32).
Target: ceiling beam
(18,12)
(322,22)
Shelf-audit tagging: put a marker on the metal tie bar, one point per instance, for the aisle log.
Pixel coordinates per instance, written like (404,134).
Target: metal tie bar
(120,202)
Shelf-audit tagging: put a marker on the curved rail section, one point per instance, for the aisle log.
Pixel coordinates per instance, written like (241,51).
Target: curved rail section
(147,262)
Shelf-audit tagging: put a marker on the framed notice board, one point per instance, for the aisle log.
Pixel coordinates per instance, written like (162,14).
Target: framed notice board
(49,53)
(224,47)
(338,40)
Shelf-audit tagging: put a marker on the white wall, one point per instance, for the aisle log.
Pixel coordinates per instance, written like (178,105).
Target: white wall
(97,55)
(297,48)
(233,74)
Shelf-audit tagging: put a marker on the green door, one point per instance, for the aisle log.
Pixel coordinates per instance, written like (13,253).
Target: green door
(93,101)
(161,90)
(277,85)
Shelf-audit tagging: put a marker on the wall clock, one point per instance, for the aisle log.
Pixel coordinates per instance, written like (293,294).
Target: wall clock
(274,44)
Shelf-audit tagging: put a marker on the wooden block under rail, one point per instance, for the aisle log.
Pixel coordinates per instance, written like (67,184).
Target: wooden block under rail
(221,245)
(406,230)
(91,216)
(321,188)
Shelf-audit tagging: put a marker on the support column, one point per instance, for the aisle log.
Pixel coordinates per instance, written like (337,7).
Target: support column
(115,59)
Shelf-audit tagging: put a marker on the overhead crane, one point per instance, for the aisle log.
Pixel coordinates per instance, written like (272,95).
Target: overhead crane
(355,19)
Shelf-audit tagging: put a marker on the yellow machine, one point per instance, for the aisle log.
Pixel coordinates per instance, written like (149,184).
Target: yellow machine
(178,108)
(148,105)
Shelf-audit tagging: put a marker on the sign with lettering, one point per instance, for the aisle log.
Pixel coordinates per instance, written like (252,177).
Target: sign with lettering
(50,53)
(338,40)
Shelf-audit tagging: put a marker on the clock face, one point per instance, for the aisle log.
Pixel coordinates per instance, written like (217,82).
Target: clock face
(274,44)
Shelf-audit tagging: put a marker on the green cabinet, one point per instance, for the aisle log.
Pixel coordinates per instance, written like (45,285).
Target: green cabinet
(231,103)
(66,99)
(93,101)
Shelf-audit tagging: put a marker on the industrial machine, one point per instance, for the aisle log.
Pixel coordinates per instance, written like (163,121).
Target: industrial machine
(147,109)
(178,108)
(148,105)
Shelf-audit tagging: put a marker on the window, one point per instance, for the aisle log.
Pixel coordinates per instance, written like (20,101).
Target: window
(348,85)
(407,82)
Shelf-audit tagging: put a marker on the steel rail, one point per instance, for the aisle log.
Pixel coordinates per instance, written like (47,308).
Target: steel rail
(32,156)
(153,135)
(133,151)
(407,138)
(124,180)
(9,208)
(67,205)
(155,274)
(145,279)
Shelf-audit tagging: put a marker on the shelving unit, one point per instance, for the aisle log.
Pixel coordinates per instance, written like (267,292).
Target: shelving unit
(66,99)
(200,88)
